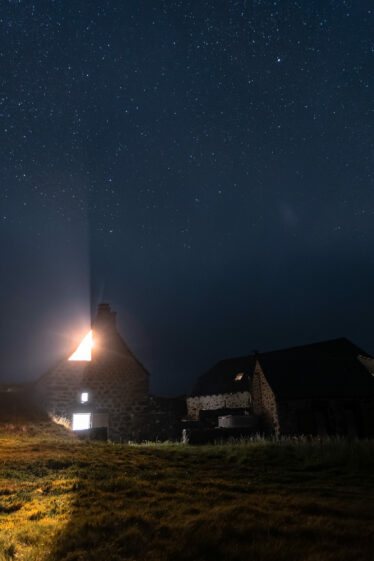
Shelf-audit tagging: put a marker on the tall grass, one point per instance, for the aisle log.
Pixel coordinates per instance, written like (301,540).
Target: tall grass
(287,500)
(326,450)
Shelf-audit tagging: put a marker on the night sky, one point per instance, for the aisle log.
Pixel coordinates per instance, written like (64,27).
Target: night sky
(204,166)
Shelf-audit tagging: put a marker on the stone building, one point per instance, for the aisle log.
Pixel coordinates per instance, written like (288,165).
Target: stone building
(102,386)
(223,390)
(323,388)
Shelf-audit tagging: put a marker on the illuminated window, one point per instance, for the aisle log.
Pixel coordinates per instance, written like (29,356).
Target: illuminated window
(81,421)
(84,397)
(239,376)
(83,352)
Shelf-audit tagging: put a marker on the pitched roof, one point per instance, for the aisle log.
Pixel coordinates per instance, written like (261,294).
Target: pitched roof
(325,369)
(108,342)
(108,347)
(221,377)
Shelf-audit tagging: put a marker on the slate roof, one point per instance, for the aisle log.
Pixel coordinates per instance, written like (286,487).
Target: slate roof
(324,369)
(108,346)
(221,378)
(109,341)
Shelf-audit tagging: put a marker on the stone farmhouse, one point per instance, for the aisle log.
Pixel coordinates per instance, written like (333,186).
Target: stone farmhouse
(323,388)
(100,386)
(101,390)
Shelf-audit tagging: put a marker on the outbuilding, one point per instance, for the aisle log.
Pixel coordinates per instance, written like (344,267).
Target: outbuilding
(318,389)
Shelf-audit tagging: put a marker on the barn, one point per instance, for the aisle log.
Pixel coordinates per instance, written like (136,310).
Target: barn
(318,389)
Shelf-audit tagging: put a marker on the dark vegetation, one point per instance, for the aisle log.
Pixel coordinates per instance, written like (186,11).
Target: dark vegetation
(64,499)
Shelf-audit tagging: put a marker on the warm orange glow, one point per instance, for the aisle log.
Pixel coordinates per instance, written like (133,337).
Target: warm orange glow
(83,352)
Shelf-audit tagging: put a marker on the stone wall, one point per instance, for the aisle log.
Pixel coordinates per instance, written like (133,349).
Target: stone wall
(310,416)
(238,400)
(326,416)
(58,389)
(165,418)
(117,390)
(264,402)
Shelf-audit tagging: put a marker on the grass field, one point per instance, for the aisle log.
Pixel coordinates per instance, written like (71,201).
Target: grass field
(62,499)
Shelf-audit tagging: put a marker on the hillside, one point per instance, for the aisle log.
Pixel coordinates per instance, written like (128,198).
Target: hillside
(20,413)
(63,499)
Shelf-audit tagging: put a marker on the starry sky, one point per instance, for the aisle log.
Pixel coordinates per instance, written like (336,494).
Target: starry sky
(206,166)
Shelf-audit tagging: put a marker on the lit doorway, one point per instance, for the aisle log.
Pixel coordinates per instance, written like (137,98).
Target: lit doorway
(81,421)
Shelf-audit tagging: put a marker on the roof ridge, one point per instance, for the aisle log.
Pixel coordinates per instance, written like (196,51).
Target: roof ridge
(284,349)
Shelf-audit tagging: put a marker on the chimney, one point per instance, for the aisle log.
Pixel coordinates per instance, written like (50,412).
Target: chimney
(105,319)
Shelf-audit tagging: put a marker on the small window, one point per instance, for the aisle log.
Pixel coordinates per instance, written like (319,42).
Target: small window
(239,376)
(84,397)
(81,421)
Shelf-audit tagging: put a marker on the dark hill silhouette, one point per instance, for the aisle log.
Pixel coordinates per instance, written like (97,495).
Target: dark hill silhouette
(20,412)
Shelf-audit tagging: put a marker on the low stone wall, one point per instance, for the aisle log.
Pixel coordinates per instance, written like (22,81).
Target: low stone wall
(164,418)
(238,400)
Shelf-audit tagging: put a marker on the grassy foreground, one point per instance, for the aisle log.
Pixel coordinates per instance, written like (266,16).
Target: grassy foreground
(61,499)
